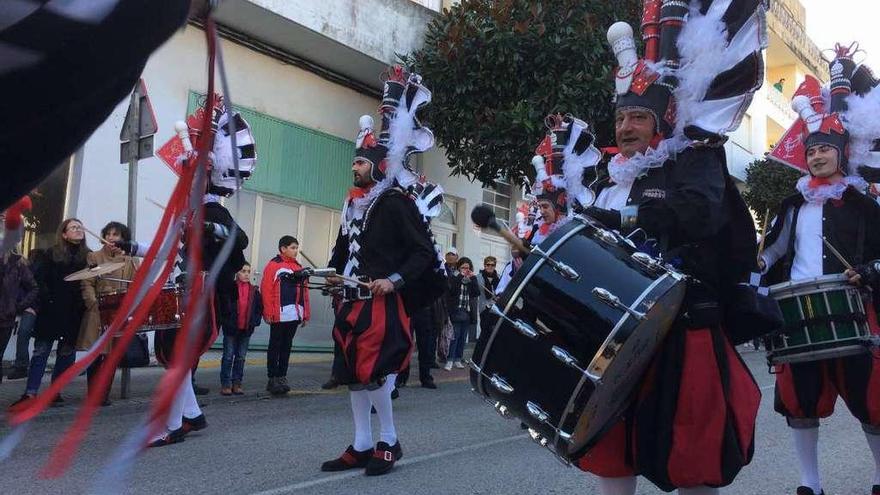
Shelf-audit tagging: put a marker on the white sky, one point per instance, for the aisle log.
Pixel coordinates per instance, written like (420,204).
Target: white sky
(845,21)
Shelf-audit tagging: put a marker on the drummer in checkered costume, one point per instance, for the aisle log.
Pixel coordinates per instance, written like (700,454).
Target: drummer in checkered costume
(385,242)
(692,421)
(830,205)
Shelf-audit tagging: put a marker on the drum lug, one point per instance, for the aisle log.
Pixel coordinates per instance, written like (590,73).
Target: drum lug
(520,326)
(611,300)
(501,385)
(536,412)
(543,442)
(559,267)
(567,359)
(607,236)
(646,260)
(565,437)
(474,366)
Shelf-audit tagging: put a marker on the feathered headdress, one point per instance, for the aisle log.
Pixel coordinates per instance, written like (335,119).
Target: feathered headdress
(842,115)
(402,135)
(560,160)
(702,64)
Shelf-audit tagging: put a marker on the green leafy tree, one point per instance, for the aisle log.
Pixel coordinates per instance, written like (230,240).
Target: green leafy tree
(768,184)
(498,67)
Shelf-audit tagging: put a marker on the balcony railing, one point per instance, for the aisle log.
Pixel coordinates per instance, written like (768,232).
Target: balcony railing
(778,100)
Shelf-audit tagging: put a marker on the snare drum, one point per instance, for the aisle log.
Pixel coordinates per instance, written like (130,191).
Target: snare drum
(577,329)
(166,311)
(824,318)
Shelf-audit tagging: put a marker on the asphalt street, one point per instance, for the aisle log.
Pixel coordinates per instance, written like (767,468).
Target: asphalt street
(453,444)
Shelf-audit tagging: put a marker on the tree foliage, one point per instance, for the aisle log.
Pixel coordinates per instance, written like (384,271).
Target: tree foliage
(768,184)
(498,67)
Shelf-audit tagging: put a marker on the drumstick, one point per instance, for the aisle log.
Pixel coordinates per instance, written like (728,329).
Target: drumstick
(303,253)
(837,254)
(156,203)
(97,236)
(354,280)
(484,217)
(763,233)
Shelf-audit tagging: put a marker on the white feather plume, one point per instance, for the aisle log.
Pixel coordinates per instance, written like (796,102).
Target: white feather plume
(863,117)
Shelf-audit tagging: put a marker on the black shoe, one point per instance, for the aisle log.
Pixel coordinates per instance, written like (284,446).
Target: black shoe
(58,401)
(384,457)
(270,385)
(395,394)
(282,382)
(106,403)
(349,459)
(330,384)
(168,438)
(194,424)
(24,398)
(429,383)
(201,390)
(805,490)
(17,374)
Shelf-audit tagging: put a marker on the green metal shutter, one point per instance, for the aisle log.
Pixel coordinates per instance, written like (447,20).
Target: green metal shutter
(294,161)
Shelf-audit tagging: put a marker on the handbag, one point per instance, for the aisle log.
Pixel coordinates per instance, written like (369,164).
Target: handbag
(138,353)
(446,334)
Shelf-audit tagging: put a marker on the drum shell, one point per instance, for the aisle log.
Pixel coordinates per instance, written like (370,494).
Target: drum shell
(567,315)
(803,338)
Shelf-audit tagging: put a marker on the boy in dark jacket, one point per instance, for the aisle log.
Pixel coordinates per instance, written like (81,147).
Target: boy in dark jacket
(18,291)
(285,307)
(242,310)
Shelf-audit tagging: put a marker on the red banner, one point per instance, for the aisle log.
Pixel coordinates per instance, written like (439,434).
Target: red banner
(790,149)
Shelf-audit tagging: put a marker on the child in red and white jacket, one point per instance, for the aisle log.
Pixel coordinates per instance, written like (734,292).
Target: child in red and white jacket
(285,307)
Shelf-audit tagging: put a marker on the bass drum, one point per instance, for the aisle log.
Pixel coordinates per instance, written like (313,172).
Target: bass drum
(578,326)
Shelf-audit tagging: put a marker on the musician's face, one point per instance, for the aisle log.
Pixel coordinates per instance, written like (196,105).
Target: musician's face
(360,169)
(112,236)
(823,161)
(633,130)
(548,212)
(290,251)
(73,233)
(244,275)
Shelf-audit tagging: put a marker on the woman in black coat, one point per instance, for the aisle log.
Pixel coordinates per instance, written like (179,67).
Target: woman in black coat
(461,302)
(60,305)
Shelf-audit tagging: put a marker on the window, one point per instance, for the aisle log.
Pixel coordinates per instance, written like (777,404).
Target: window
(498,198)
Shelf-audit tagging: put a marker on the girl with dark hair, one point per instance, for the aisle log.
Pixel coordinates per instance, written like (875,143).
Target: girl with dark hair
(60,305)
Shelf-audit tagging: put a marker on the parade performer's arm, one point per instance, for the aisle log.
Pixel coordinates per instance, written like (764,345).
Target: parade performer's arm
(694,200)
(779,238)
(338,256)
(868,273)
(409,231)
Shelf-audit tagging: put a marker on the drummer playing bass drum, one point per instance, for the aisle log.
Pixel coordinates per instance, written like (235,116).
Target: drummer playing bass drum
(828,207)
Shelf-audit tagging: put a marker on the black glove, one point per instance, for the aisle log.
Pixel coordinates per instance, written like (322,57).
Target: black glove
(609,218)
(216,231)
(128,247)
(870,273)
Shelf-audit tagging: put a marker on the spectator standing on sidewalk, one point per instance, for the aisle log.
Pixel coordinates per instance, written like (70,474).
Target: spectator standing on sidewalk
(241,312)
(60,307)
(26,320)
(488,279)
(93,288)
(464,291)
(18,293)
(285,307)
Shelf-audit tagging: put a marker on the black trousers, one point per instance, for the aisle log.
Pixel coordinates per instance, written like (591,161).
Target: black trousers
(5,333)
(422,322)
(280,342)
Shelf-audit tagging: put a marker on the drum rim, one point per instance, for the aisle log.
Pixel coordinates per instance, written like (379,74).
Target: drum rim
(817,284)
(515,295)
(677,279)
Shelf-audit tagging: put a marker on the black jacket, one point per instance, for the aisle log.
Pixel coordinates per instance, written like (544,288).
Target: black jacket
(18,290)
(61,305)
(228,309)
(693,210)
(394,240)
(456,287)
(216,213)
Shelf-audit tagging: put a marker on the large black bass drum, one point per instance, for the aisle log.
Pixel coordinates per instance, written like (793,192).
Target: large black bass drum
(577,327)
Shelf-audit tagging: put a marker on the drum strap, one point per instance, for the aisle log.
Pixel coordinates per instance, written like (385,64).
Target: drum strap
(822,320)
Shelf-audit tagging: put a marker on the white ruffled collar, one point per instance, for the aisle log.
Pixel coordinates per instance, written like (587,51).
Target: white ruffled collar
(625,171)
(822,193)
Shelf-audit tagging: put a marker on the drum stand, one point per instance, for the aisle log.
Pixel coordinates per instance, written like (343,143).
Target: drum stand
(125,376)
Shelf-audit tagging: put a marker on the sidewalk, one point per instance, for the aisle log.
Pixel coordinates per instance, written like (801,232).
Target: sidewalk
(306,374)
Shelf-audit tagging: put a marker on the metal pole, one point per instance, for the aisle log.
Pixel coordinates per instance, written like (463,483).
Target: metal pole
(134,143)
